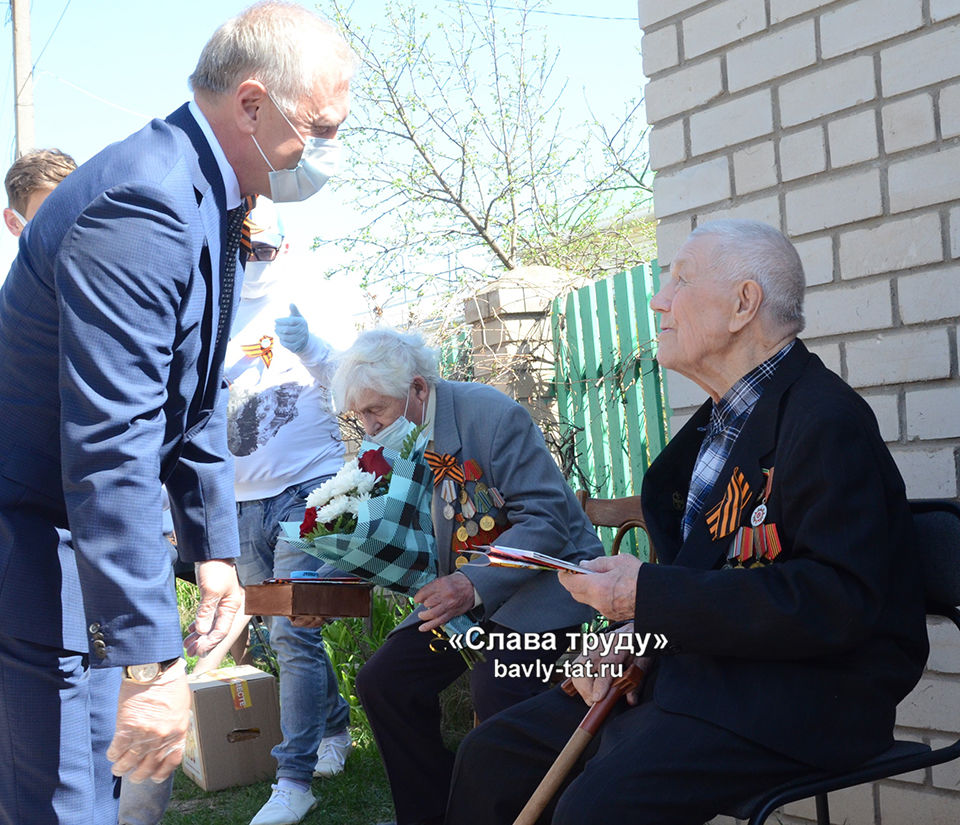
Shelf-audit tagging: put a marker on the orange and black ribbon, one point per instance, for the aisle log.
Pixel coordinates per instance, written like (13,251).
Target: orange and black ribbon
(723,519)
(262,349)
(444,466)
(249,201)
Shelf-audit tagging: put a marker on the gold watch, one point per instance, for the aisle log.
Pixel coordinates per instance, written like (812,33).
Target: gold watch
(149,672)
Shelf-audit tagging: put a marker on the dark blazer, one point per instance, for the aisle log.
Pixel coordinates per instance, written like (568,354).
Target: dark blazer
(809,655)
(480,422)
(109,388)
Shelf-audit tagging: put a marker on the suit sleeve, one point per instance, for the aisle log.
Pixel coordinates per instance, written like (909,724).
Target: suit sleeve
(119,274)
(202,492)
(841,519)
(536,505)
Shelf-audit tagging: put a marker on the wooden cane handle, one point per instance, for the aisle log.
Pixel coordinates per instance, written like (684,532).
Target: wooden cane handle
(551,783)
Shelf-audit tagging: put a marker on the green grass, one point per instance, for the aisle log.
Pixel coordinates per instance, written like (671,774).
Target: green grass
(358,796)
(361,794)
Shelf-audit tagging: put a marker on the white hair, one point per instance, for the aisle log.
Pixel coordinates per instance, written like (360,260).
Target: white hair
(750,250)
(289,49)
(386,361)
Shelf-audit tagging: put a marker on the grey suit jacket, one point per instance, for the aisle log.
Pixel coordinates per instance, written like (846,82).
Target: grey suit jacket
(480,422)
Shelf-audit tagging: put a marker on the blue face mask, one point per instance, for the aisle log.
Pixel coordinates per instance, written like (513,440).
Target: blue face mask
(318,163)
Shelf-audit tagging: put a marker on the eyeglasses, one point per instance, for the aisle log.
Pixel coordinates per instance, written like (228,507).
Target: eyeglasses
(263,252)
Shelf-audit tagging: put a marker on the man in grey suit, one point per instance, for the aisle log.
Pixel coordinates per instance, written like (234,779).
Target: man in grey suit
(113,324)
(510,491)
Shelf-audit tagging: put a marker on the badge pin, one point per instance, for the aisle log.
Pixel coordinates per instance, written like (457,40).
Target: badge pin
(759,515)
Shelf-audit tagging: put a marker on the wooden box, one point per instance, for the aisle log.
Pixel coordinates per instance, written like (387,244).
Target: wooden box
(311,597)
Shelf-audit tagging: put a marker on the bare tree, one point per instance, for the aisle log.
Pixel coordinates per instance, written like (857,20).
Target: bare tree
(457,144)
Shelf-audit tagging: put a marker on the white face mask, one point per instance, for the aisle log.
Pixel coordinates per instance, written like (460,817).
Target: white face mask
(256,282)
(317,165)
(394,434)
(19,217)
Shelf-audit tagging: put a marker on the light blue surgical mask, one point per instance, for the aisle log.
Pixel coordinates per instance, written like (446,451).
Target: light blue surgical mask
(316,166)
(395,434)
(19,217)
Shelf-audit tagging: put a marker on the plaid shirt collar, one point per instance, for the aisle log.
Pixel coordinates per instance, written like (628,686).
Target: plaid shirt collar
(727,418)
(740,399)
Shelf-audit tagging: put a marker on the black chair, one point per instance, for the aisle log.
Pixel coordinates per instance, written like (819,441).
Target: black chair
(937,529)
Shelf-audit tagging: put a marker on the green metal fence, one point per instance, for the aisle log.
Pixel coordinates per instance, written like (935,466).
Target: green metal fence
(609,392)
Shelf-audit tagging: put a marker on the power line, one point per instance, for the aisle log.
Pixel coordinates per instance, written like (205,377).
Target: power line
(544,11)
(56,26)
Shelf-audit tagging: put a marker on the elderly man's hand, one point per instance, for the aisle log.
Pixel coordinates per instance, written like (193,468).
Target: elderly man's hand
(443,599)
(613,592)
(593,688)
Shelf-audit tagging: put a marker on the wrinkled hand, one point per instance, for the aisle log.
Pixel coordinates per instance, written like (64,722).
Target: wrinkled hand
(614,592)
(151,726)
(220,598)
(443,599)
(292,331)
(307,621)
(593,689)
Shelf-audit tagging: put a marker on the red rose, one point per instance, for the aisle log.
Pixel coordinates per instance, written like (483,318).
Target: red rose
(309,523)
(372,461)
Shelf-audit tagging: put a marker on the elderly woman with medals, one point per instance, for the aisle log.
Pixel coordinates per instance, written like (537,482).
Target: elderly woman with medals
(494,481)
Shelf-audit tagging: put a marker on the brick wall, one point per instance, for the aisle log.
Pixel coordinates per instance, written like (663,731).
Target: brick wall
(838,122)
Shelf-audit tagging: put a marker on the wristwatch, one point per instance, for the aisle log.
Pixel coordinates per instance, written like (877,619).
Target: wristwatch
(150,672)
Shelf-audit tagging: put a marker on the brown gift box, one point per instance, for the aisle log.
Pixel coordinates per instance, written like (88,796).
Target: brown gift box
(325,598)
(234,723)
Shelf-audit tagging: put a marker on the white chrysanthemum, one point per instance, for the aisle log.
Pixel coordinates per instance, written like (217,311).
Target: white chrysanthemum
(343,482)
(336,508)
(366,483)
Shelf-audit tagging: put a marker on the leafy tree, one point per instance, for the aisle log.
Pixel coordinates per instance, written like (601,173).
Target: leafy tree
(458,145)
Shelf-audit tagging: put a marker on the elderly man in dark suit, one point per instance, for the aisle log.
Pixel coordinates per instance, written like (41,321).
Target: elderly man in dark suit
(113,324)
(510,491)
(787,585)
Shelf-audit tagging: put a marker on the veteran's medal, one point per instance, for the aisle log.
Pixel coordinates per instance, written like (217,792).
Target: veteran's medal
(759,514)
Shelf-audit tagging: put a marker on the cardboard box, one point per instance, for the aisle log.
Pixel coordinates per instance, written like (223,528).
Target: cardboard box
(234,723)
(310,597)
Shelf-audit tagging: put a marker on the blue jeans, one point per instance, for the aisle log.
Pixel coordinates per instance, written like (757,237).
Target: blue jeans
(310,703)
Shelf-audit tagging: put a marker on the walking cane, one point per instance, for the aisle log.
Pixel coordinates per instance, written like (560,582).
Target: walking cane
(577,743)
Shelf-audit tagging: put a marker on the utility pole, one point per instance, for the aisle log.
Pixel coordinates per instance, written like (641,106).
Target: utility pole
(22,75)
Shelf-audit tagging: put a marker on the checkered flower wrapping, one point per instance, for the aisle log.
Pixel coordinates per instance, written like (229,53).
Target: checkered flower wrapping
(393,544)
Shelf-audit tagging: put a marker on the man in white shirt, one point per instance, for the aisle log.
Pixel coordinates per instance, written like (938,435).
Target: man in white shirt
(285,441)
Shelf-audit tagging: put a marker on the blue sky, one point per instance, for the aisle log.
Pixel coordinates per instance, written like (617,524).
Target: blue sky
(104,67)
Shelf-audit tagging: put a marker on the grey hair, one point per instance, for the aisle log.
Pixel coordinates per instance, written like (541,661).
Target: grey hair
(386,361)
(289,49)
(750,250)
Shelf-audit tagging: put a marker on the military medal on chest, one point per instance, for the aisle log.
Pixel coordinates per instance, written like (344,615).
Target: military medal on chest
(471,511)
(759,543)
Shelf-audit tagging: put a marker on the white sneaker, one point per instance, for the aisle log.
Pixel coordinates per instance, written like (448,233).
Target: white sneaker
(332,753)
(286,806)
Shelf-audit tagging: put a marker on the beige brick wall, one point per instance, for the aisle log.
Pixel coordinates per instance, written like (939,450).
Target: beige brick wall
(839,122)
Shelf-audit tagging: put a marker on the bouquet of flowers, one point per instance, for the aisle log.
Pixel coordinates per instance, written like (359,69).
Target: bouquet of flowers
(372,519)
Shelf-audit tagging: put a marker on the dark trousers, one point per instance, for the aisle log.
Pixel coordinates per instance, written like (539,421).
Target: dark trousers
(645,767)
(399,688)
